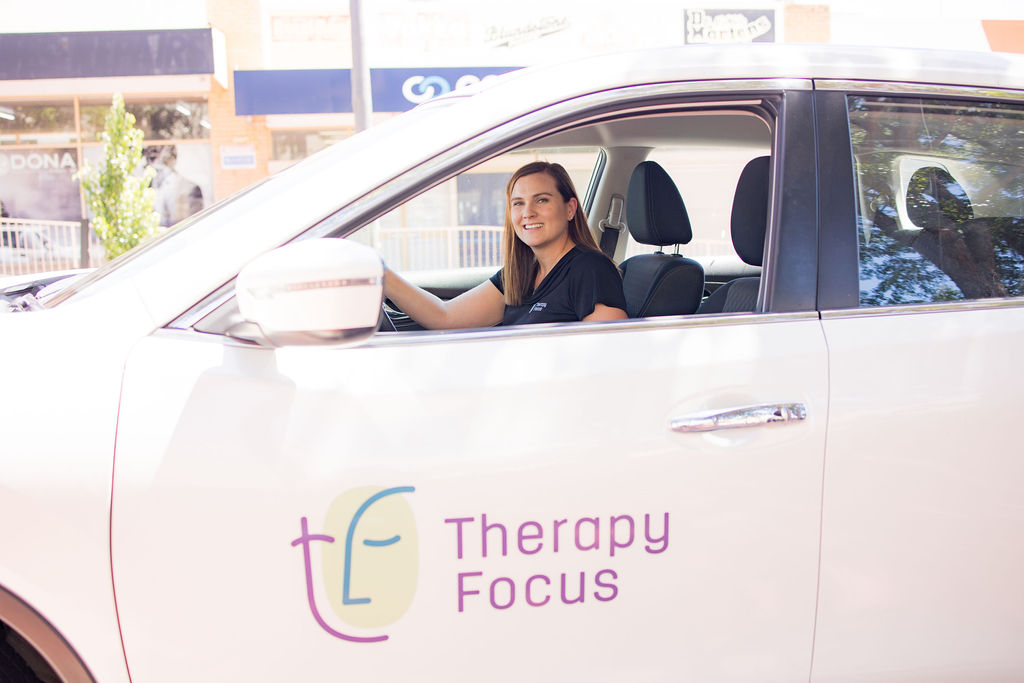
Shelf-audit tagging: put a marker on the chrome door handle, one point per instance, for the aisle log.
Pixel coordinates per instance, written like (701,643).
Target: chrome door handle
(735,418)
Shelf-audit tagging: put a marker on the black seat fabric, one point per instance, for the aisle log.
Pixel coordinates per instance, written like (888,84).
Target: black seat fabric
(749,225)
(659,283)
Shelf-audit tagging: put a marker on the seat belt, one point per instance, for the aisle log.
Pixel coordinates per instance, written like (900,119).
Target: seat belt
(612,226)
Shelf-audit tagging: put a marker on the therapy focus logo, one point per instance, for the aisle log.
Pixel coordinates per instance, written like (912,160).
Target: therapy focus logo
(369,560)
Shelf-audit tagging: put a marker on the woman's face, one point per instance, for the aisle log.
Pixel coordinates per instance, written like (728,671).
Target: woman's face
(539,214)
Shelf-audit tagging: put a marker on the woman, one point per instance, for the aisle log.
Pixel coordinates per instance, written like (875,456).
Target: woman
(553,272)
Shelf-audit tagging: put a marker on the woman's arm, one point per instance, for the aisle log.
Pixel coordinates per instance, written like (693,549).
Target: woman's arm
(481,306)
(602,312)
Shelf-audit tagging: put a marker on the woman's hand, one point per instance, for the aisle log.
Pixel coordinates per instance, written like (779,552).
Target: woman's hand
(482,306)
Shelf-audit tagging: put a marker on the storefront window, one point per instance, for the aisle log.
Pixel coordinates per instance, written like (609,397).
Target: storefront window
(292,145)
(38,183)
(179,120)
(40,153)
(37,124)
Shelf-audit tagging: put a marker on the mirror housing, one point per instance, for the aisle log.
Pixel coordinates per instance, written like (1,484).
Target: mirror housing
(318,292)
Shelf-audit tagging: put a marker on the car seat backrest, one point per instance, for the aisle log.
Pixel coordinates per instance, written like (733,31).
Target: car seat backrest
(659,283)
(749,224)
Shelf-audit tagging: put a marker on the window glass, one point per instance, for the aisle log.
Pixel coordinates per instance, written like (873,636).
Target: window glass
(178,120)
(940,188)
(706,178)
(459,223)
(37,124)
(38,183)
(293,145)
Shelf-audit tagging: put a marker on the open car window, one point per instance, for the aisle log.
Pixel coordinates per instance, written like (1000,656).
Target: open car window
(458,224)
(445,235)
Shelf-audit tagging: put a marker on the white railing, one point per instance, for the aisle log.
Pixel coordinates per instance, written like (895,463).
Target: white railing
(35,246)
(463,246)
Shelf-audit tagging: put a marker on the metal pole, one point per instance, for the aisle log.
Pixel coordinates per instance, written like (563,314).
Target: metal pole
(362,100)
(83,243)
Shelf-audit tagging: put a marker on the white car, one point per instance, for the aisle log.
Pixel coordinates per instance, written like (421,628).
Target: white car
(795,461)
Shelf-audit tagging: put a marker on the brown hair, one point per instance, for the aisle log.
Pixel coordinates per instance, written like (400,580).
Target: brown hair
(520,268)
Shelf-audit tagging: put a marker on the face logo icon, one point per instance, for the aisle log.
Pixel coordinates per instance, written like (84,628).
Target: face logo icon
(369,560)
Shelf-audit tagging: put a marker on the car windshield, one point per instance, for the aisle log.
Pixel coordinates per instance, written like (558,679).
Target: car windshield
(371,150)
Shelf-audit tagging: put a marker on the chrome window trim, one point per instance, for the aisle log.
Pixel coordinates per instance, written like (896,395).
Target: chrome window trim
(419,337)
(918,89)
(938,307)
(569,329)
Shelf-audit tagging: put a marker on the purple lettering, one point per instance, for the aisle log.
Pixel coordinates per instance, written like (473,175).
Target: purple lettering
(458,534)
(596,537)
(511,593)
(614,543)
(557,523)
(529,592)
(523,536)
(663,539)
(462,586)
(612,586)
(484,528)
(304,540)
(578,598)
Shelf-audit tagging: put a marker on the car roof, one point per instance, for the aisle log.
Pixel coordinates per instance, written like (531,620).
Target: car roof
(768,60)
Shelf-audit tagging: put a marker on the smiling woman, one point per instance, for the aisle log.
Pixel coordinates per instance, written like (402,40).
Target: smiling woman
(553,272)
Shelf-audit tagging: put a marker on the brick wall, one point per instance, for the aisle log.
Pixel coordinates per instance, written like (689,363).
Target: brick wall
(807,23)
(240,22)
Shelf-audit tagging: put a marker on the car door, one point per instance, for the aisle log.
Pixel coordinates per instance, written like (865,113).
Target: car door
(509,504)
(922,527)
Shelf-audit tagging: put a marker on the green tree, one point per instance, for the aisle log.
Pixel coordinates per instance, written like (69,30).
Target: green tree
(120,201)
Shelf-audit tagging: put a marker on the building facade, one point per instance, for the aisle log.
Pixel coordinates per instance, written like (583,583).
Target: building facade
(230,91)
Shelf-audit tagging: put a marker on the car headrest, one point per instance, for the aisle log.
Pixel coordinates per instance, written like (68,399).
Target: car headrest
(655,211)
(934,197)
(750,211)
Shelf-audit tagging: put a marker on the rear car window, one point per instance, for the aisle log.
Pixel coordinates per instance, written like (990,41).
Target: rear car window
(940,188)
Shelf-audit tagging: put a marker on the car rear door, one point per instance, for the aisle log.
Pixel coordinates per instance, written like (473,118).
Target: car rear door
(923,532)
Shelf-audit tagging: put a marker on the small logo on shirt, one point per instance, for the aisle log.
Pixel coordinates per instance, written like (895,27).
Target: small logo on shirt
(538,307)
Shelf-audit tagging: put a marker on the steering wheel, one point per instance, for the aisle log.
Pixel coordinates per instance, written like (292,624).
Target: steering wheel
(385,324)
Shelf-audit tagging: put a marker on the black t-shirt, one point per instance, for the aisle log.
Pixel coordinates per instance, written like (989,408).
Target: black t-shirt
(580,279)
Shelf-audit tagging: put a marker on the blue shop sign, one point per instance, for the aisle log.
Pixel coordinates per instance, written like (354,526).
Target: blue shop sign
(325,91)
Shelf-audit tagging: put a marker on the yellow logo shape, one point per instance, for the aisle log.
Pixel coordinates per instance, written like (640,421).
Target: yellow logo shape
(371,569)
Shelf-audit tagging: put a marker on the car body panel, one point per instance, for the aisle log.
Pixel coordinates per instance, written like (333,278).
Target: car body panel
(57,460)
(922,520)
(316,423)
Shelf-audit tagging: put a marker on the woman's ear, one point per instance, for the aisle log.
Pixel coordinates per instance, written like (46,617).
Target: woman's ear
(573,206)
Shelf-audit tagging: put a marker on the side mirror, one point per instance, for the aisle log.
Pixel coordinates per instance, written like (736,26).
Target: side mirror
(313,292)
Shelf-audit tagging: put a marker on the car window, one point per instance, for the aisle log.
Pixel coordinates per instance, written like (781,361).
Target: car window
(458,224)
(940,188)
(706,178)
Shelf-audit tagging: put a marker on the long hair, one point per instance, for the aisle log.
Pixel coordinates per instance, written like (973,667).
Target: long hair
(520,268)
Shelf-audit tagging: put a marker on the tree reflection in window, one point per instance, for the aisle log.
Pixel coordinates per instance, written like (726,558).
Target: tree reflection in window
(178,120)
(941,199)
